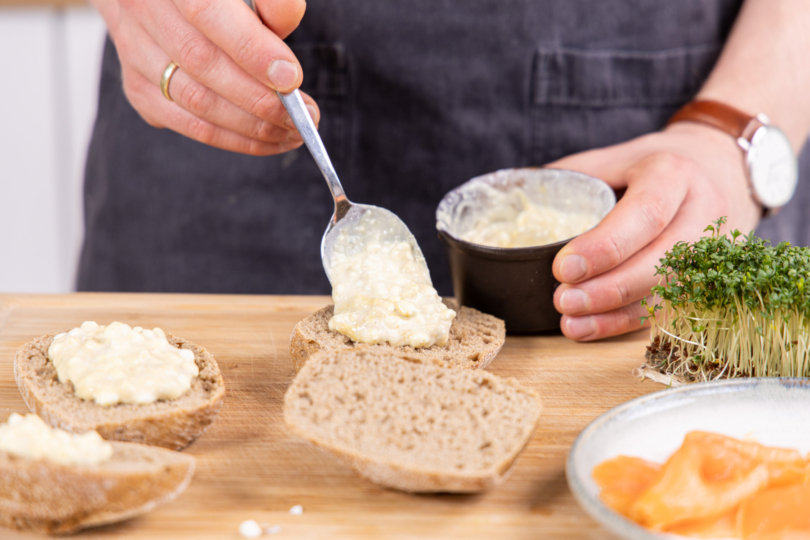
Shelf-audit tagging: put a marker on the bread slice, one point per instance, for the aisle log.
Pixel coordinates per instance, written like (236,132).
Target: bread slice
(410,422)
(475,339)
(47,497)
(171,424)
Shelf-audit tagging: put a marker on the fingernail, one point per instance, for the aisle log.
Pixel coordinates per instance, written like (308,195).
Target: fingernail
(313,113)
(573,301)
(572,268)
(289,123)
(282,74)
(295,136)
(580,327)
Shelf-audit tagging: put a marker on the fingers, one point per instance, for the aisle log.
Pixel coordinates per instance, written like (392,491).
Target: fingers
(619,287)
(632,280)
(669,199)
(196,98)
(281,16)
(609,164)
(657,186)
(214,100)
(219,80)
(208,105)
(242,37)
(207,64)
(109,11)
(148,100)
(593,327)
(596,308)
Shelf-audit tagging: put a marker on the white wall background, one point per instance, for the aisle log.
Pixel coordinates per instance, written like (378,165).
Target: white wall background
(49,71)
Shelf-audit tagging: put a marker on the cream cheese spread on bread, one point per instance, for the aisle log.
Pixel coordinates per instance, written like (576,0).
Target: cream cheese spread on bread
(29,437)
(512,220)
(383,294)
(118,364)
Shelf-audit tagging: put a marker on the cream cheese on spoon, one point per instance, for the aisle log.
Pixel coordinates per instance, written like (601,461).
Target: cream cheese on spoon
(382,293)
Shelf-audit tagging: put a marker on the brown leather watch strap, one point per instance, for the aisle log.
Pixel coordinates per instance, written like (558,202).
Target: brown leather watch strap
(716,114)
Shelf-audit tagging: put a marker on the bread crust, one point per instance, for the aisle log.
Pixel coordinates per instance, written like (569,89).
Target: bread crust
(414,479)
(475,339)
(47,497)
(171,424)
(407,477)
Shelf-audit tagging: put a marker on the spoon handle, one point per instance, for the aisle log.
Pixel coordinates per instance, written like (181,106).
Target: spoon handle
(297,110)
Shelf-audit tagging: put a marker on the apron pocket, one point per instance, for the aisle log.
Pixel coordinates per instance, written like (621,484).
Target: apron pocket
(583,99)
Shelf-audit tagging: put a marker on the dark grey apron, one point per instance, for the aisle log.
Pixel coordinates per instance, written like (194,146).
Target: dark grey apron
(416,97)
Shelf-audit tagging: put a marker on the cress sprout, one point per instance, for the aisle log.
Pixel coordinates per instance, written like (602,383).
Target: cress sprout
(727,307)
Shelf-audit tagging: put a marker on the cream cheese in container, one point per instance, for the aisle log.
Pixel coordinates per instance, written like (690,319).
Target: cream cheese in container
(511,219)
(513,207)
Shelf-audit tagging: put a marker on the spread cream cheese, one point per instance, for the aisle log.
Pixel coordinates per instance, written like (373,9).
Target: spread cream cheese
(118,364)
(382,293)
(29,437)
(511,220)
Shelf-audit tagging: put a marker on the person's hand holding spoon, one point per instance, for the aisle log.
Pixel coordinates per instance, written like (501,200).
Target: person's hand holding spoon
(219,83)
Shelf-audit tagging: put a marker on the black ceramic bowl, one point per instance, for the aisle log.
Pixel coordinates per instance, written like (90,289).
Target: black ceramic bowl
(514,284)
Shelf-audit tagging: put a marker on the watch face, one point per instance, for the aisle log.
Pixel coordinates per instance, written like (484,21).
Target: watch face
(774,171)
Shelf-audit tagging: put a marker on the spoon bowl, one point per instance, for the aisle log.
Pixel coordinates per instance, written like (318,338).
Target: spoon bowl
(355,221)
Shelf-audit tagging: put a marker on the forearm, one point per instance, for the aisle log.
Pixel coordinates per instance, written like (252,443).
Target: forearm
(764,66)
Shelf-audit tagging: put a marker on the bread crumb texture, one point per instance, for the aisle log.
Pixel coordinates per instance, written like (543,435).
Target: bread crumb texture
(414,423)
(48,497)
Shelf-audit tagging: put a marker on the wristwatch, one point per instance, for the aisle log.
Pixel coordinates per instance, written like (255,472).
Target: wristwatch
(772,166)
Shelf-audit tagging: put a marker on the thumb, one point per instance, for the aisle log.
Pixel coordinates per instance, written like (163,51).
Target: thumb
(281,16)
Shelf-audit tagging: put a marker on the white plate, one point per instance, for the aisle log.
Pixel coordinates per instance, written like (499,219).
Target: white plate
(775,412)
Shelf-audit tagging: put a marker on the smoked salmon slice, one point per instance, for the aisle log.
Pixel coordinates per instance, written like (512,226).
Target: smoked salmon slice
(778,513)
(713,486)
(622,479)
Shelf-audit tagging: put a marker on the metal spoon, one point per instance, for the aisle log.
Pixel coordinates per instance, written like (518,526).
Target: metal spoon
(387,226)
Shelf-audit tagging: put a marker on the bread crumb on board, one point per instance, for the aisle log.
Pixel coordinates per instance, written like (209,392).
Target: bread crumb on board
(296,510)
(250,529)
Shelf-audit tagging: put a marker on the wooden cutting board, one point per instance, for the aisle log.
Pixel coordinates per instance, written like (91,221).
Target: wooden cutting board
(249,466)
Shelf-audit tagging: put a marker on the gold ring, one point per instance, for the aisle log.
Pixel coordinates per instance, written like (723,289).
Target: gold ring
(166,78)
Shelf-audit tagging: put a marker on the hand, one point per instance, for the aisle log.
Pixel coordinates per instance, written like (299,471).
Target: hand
(229,62)
(678,181)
